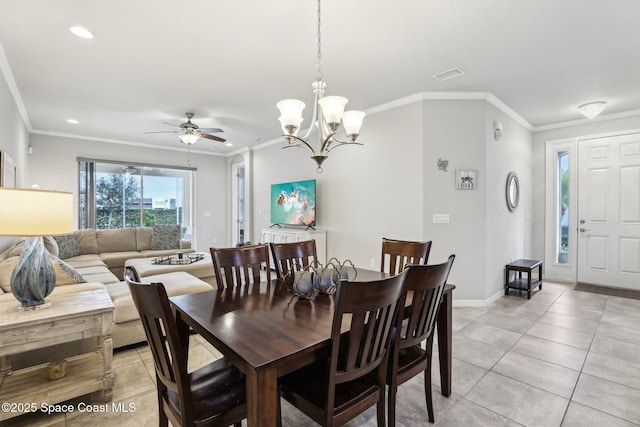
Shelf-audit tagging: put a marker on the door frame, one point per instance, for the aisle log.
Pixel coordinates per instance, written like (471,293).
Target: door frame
(554,271)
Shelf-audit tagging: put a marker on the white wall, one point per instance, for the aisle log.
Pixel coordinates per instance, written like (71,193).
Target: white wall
(14,139)
(53,166)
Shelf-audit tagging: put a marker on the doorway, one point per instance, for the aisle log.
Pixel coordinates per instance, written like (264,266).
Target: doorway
(238,204)
(596,181)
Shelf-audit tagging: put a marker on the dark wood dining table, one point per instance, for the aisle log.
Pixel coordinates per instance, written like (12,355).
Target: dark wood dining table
(267,332)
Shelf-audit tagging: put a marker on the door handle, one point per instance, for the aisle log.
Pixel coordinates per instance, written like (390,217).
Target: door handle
(583,229)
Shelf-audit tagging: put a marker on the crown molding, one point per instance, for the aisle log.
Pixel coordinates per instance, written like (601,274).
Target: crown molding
(601,118)
(121,142)
(13,88)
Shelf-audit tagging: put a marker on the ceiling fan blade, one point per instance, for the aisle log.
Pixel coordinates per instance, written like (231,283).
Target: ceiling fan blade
(211,130)
(213,137)
(163,131)
(170,124)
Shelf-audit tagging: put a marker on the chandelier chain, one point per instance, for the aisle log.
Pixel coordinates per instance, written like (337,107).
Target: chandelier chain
(318,65)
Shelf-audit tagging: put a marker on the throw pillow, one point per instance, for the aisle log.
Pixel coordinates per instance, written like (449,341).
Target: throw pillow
(165,236)
(65,274)
(67,246)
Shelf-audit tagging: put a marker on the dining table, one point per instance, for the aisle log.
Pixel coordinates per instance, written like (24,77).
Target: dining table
(267,332)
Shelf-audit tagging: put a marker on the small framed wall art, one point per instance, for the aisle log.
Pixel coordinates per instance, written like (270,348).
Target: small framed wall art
(466,179)
(8,173)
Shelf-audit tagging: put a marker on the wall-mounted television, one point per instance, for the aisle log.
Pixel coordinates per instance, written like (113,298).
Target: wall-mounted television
(294,203)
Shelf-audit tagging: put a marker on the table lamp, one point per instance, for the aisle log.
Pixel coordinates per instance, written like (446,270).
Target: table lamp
(33,214)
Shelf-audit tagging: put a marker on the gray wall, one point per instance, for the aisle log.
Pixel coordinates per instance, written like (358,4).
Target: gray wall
(391,187)
(53,166)
(14,139)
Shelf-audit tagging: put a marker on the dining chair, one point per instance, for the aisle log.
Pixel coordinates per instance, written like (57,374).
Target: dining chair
(421,297)
(238,266)
(294,256)
(398,253)
(213,395)
(351,379)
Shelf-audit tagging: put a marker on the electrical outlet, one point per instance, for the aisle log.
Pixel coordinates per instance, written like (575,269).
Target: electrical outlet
(215,240)
(372,264)
(441,218)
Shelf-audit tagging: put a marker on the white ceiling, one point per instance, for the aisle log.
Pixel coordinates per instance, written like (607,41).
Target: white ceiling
(229,62)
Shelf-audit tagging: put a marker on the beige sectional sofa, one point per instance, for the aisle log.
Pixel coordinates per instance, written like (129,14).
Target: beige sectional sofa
(100,263)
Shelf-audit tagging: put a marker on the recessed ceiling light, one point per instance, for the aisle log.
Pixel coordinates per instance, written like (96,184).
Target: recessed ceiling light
(228,144)
(81,32)
(73,121)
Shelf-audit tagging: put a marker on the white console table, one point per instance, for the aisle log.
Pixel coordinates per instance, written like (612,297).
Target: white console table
(287,235)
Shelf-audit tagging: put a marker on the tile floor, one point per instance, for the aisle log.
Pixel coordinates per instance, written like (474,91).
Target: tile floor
(563,358)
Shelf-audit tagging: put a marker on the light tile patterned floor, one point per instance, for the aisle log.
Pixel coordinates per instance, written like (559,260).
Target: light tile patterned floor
(563,358)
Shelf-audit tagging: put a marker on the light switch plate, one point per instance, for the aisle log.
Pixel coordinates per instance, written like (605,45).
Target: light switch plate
(441,218)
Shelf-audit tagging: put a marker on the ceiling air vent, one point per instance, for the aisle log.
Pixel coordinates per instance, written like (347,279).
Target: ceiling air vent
(449,74)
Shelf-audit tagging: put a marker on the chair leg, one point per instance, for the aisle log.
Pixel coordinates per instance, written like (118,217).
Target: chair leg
(427,391)
(391,405)
(380,407)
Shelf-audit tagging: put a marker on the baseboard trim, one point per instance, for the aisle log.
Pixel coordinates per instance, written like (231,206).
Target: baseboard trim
(478,302)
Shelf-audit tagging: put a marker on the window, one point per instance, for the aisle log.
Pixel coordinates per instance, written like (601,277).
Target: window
(562,208)
(115,195)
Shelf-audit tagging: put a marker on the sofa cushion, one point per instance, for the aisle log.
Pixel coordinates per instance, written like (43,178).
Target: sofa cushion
(178,283)
(165,236)
(65,274)
(67,246)
(88,260)
(117,259)
(49,244)
(87,241)
(116,240)
(102,275)
(143,238)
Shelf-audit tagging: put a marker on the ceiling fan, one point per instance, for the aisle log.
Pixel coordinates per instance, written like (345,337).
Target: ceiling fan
(190,132)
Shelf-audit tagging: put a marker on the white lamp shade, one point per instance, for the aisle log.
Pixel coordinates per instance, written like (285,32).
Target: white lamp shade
(35,212)
(332,108)
(189,138)
(352,121)
(297,126)
(290,112)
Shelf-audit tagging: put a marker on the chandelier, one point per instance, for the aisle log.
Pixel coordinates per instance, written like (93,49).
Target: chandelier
(328,112)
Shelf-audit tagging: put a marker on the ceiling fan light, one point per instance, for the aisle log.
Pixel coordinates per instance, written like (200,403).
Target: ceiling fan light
(188,138)
(592,109)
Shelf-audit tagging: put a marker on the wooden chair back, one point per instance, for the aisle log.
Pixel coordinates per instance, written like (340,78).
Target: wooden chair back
(415,323)
(398,253)
(169,347)
(240,266)
(294,256)
(352,380)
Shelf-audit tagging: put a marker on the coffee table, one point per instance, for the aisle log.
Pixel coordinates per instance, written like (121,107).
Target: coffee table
(202,269)
(72,316)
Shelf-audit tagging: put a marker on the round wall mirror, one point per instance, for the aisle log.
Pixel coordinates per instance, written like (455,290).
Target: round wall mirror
(512,191)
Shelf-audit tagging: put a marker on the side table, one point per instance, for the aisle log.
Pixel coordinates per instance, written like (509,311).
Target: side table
(522,266)
(71,317)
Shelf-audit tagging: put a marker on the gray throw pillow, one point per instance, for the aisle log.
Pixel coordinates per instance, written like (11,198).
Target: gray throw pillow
(67,246)
(165,236)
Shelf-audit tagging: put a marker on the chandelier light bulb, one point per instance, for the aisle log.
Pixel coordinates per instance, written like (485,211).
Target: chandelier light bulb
(290,111)
(592,109)
(352,121)
(333,108)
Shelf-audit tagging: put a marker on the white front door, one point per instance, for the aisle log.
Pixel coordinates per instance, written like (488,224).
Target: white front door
(609,211)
